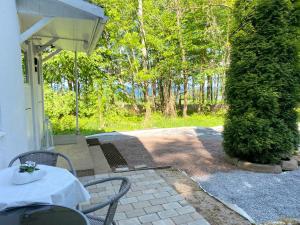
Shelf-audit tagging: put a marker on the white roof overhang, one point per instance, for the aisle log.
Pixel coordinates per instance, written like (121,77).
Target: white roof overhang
(74,25)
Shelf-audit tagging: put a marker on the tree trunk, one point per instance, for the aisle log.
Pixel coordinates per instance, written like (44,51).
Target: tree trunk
(202,93)
(147,101)
(70,85)
(179,99)
(154,94)
(177,93)
(133,70)
(183,57)
(132,88)
(217,89)
(185,96)
(161,93)
(222,89)
(144,57)
(201,96)
(169,101)
(193,90)
(208,91)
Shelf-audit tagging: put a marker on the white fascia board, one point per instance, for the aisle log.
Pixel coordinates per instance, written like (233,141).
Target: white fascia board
(76,9)
(35,28)
(96,36)
(87,7)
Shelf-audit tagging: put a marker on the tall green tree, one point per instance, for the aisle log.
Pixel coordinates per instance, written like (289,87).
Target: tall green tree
(262,86)
(154,55)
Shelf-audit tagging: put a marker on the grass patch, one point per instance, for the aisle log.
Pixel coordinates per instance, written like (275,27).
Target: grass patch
(91,125)
(88,126)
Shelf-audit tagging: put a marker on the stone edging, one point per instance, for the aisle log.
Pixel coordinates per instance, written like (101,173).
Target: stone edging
(286,165)
(138,167)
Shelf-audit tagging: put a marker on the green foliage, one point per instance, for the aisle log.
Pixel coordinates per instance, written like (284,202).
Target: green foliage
(263,82)
(115,74)
(58,104)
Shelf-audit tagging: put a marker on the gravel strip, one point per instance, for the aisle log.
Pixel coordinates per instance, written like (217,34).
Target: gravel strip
(264,197)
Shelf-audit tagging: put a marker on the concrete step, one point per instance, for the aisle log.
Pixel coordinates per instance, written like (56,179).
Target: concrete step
(100,163)
(77,152)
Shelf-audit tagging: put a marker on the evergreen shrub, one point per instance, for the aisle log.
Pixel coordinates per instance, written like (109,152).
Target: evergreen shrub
(262,86)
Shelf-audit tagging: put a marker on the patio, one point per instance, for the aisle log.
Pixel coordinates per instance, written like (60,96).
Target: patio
(154,192)
(151,200)
(36,31)
(197,151)
(162,196)
(157,196)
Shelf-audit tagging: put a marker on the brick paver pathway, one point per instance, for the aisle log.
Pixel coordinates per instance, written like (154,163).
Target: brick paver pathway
(151,201)
(197,151)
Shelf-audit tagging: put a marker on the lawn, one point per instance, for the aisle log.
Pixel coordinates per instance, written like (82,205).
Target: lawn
(66,125)
(91,125)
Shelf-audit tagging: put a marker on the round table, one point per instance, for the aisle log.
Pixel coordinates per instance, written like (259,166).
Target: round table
(57,187)
(42,215)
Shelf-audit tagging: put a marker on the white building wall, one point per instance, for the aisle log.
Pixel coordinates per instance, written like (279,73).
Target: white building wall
(13,138)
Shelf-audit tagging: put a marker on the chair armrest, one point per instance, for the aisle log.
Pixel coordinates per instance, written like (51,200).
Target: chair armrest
(96,207)
(100,181)
(124,188)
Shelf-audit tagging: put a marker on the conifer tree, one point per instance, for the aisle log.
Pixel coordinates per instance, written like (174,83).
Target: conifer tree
(262,85)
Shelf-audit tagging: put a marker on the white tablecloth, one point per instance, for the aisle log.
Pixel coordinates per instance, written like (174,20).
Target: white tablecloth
(58,187)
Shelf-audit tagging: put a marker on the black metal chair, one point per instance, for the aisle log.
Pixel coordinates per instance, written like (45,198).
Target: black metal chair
(37,214)
(48,158)
(112,202)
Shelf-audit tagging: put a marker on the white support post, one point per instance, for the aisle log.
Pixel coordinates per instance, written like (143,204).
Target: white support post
(12,100)
(42,90)
(34,94)
(35,28)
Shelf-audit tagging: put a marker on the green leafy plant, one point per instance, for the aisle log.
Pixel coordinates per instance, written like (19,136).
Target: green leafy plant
(262,86)
(28,167)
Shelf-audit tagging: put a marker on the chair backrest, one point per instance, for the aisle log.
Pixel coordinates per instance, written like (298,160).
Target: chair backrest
(48,158)
(124,188)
